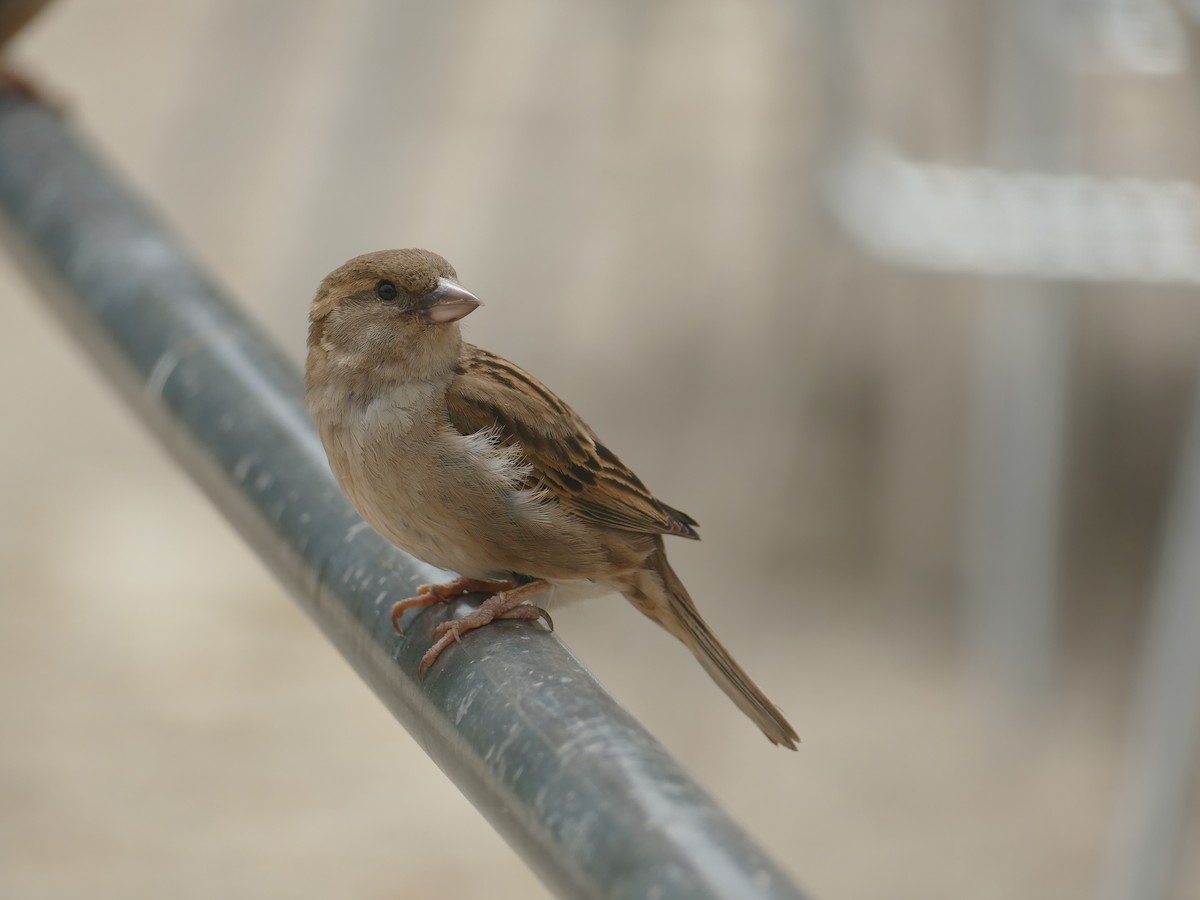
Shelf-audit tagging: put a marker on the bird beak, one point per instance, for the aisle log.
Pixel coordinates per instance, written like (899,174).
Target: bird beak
(448,302)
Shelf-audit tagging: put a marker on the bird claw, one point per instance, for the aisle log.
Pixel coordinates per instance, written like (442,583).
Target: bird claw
(429,594)
(504,605)
(423,598)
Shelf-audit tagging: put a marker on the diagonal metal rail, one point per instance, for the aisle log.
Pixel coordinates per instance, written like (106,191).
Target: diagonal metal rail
(594,804)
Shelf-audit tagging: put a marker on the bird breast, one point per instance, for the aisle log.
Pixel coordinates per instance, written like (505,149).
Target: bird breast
(455,501)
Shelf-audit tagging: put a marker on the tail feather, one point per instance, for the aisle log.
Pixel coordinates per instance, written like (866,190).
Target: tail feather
(680,616)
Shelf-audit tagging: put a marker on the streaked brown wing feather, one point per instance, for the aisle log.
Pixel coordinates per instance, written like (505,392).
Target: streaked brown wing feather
(566,457)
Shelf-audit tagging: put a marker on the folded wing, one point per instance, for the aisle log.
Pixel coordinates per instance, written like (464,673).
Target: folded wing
(490,393)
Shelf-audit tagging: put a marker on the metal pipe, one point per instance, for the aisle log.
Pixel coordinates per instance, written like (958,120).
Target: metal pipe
(588,797)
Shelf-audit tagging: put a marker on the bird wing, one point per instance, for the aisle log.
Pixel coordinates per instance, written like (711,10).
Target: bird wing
(566,458)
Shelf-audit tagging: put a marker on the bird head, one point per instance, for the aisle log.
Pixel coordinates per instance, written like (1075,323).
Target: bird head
(392,308)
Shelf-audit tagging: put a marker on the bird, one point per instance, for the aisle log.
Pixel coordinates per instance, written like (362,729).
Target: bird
(469,463)
(14,16)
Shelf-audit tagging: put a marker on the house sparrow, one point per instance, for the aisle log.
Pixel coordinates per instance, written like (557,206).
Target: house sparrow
(14,16)
(469,463)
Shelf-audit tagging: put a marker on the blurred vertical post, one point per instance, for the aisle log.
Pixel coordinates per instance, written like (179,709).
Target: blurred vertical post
(1017,429)
(1166,726)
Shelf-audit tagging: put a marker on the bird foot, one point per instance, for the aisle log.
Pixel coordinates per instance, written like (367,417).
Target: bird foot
(429,594)
(508,604)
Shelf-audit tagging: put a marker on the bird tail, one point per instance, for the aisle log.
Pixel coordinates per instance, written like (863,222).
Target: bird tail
(680,617)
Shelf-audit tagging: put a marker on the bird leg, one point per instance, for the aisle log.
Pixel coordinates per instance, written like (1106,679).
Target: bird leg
(429,594)
(508,604)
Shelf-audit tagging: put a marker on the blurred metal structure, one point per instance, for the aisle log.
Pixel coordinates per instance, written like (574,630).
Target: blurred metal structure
(1028,216)
(1166,726)
(1065,227)
(1019,414)
(592,801)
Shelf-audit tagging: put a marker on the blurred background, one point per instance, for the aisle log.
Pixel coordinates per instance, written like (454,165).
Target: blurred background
(897,297)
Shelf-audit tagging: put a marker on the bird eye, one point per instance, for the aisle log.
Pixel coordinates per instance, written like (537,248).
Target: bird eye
(386,292)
